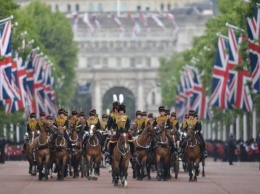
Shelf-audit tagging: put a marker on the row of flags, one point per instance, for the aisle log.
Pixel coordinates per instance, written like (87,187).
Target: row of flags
(24,84)
(232,82)
(93,23)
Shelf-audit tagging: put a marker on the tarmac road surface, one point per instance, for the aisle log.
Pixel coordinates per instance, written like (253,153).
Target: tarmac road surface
(220,178)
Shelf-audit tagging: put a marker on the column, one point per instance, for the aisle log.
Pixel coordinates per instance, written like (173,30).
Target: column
(224,138)
(254,124)
(205,130)
(140,92)
(97,98)
(213,131)
(11,132)
(218,130)
(245,126)
(17,133)
(237,127)
(5,131)
(209,131)
(231,128)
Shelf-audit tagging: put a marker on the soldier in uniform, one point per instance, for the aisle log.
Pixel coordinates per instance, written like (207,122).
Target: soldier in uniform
(150,119)
(175,125)
(41,121)
(121,124)
(103,122)
(74,118)
(184,123)
(139,121)
(144,117)
(32,126)
(92,120)
(168,114)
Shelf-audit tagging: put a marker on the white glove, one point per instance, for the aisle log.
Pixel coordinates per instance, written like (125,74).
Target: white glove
(114,132)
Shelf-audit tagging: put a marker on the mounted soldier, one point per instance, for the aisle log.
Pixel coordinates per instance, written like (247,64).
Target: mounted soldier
(175,125)
(194,126)
(150,119)
(41,121)
(139,121)
(121,123)
(74,118)
(144,117)
(103,122)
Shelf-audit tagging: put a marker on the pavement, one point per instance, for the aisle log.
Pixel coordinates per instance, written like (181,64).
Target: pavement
(240,178)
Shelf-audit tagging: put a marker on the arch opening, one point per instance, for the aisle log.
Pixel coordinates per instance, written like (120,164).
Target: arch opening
(129,100)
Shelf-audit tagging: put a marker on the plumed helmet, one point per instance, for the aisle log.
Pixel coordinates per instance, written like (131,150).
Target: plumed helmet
(138,112)
(32,115)
(121,107)
(144,114)
(191,113)
(150,115)
(49,117)
(61,111)
(104,116)
(161,109)
(173,114)
(74,113)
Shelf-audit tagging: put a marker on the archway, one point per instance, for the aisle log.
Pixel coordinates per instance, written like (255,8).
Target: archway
(129,100)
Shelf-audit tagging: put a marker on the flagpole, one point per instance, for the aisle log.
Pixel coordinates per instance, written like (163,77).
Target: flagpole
(234,27)
(7,19)
(222,36)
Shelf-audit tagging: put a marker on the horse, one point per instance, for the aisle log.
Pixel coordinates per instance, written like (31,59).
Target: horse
(142,144)
(29,153)
(61,153)
(93,154)
(120,160)
(76,143)
(41,145)
(162,153)
(193,155)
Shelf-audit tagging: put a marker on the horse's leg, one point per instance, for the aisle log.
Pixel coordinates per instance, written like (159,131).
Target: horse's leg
(116,172)
(71,163)
(40,167)
(88,166)
(148,169)
(203,165)
(143,166)
(190,170)
(159,170)
(125,173)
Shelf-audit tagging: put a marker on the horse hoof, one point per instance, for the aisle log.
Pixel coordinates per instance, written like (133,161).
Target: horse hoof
(149,178)
(190,180)
(158,179)
(203,175)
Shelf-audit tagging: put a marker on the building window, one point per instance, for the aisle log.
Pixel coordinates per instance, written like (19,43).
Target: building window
(100,7)
(56,7)
(148,62)
(153,98)
(132,62)
(68,8)
(91,7)
(105,62)
(169,7)
(148,7)
(89,62)
(139,8)
(77,7)
(124,7)
(162,6)
(119,62)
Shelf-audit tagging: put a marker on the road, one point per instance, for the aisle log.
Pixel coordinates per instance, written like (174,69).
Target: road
(220,178)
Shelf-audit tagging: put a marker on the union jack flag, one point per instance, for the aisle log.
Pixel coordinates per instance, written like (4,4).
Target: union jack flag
(180,102)
(253,30)
(19,83)
(239,90)
(220,90)
(6,90)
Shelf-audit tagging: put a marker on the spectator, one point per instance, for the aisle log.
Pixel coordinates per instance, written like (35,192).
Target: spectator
(231,148)
(2,149)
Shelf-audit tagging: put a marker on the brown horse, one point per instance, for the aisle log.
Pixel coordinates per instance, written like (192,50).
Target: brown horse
(42,150)
(93,154)
(162,153)
(29,153)
(193,155)
(76,143)
(61,154)
(120,160)
(142,144)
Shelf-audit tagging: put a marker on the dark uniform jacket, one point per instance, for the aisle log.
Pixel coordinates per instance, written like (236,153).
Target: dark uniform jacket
(164,119)
(140,124)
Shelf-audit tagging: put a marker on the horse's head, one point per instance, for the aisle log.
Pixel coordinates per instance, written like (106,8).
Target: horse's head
(150,131)
(123,140)
(60,131)
(92,130)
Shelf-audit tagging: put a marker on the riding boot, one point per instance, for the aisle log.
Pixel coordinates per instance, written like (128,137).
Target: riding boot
(204,151)
(108,154)
(24,148)
(133,151)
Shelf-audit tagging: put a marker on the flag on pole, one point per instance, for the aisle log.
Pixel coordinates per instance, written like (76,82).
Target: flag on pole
(220,90)
(239,95)
(136,28)
(174,23)
(119,25)
(253,30)
(75,21)
(157,21)
(96,22)
(87,22)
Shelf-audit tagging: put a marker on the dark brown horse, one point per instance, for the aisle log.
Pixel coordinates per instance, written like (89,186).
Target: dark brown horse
(29,153)
(61,154)
(93,154)
(162,153)
(120,160)
(76,143)
(142,144)
(42,151)
(193,155)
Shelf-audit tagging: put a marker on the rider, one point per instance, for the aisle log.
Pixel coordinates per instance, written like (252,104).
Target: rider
(203,146)
(74,117)
(32,126)
(144,117)
(121,124)
(41,121)
(92,120)
(174,125)
(150,119)
(103,122)
(139,121)
(193,125)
